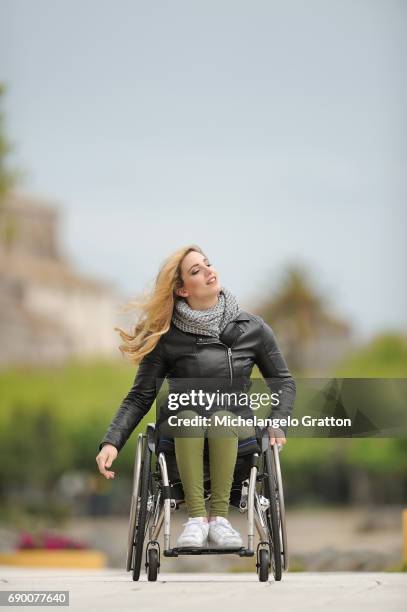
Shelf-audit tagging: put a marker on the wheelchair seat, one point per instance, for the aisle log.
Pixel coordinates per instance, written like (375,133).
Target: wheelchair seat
(248,448)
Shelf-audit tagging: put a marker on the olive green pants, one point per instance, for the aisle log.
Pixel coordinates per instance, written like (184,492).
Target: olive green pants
(222,446)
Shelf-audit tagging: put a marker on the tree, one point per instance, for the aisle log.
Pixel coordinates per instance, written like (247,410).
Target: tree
(8,179)
(301,318)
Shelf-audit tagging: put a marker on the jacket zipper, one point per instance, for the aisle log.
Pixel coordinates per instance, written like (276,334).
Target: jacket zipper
(229,355)
(230,364)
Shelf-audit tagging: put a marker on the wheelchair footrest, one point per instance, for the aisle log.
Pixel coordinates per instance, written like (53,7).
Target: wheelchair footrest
(207,550)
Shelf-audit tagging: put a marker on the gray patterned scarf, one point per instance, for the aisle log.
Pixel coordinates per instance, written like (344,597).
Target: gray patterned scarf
(209,322)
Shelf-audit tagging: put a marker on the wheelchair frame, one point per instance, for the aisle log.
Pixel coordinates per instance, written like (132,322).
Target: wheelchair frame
(153,500)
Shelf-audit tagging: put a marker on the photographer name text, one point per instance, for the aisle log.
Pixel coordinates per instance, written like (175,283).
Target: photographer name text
(238,421)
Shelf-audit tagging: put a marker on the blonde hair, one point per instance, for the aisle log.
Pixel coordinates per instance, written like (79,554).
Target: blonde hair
(156,308)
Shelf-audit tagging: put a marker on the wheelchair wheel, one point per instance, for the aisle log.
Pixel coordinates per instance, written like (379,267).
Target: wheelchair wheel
(143,514)
(152,565)
(272,512)
(134,501)
(281,507)
(264,563)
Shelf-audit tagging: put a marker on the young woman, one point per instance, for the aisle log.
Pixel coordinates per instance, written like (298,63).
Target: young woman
(192,327)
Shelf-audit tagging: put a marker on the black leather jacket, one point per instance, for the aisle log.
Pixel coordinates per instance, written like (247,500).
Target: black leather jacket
(247,340)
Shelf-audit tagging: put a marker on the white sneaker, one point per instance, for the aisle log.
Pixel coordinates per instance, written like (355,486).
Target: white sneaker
(195,533)
(222,533)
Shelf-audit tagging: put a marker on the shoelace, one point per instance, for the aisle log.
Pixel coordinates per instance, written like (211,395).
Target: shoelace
(190,523)
(226,527)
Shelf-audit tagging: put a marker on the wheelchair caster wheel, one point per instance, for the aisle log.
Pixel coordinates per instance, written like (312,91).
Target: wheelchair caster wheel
(263,565)
(152,565)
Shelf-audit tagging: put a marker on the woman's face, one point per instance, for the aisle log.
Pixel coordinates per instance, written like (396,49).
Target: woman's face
(199,277)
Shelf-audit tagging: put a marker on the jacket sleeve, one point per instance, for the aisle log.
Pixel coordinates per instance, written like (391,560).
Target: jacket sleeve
(138,401)
(275,372)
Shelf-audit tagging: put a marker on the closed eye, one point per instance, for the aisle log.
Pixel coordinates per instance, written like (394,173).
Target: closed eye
(196,271)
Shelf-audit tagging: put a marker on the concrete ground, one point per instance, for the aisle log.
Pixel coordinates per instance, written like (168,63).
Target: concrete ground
(113,588)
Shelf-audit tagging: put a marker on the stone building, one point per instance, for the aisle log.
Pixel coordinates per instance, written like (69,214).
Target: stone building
(48,310)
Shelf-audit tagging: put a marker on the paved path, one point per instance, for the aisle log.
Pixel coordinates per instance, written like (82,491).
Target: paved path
(112,588)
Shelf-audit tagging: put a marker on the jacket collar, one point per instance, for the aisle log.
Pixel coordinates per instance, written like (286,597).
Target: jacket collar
(229,335)
(242,316)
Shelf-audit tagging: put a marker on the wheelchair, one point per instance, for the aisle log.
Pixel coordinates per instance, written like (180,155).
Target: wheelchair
(257,491)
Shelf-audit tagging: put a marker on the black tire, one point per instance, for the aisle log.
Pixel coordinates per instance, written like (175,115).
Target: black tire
(272,513)
(152,567)
(281,507)
(138,462)
(264,563)
(140,529)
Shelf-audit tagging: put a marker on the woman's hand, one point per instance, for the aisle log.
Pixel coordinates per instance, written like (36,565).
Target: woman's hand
(105,459)
(276,435)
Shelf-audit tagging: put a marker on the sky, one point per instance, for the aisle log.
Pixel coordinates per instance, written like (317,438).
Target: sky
(269,133)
